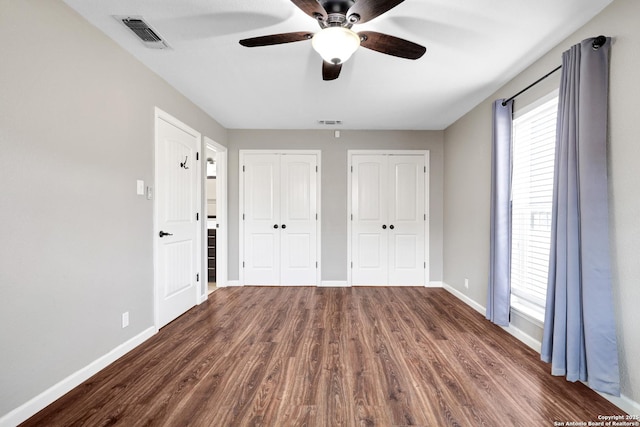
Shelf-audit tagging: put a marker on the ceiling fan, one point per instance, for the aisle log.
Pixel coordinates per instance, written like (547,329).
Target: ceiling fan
(336,41)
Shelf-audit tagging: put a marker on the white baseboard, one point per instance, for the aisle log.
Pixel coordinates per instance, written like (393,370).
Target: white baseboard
(434,285)
(623,402)
(519,334)
(524,337)
(31,407)
(333,284)
(464,298)
(231,283)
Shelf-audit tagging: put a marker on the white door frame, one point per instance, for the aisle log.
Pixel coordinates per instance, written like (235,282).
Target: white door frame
(221,217)
(162,115)
(242,153)
(350,154)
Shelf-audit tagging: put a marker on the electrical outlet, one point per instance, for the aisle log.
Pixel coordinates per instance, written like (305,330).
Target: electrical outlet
(466,283)
(125,319)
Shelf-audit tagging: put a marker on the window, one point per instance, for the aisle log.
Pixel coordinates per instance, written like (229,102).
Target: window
(534,137)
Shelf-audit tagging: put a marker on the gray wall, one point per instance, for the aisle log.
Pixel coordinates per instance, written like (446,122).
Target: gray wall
(467,179)
(76,131)
(334,185)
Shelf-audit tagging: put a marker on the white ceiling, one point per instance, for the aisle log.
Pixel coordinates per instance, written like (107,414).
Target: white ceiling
(473,48)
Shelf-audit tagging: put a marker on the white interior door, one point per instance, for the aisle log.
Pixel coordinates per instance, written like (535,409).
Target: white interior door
(369,222)
(176,229)
(388,223)
(298,230)
(261,219)
(406,235)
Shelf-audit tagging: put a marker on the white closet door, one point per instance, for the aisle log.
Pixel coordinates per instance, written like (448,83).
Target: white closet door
(298,219)
(369,224)
(262,219)
(406,234)
(280,224)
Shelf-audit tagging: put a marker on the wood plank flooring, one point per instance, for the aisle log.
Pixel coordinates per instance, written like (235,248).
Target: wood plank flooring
(302,356)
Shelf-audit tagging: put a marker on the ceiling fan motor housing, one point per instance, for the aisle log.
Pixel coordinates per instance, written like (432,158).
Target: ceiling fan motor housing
(337,6)
(337,14)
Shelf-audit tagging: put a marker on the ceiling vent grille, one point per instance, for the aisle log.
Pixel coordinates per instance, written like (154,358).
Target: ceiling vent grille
(330,122)
(144,31)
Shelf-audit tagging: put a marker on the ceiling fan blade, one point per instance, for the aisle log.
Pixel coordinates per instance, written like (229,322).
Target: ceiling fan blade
(369,9)
(391,45)
(311,8)
(276,39)
(330,71)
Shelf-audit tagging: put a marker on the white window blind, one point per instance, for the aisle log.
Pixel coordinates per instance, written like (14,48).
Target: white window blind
(534,136)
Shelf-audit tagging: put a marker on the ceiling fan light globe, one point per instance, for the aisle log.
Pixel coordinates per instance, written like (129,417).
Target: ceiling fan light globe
(335,44)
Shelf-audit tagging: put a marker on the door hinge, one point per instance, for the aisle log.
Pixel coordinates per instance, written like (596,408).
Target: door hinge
(197,216)
(425,169)
(351,169)
(425,264)
(242,264)
(217,225)
(243,217)
(316,264)
(242,168)
(316,217)
(316,169)
(425,217)
(351,264)
(197,277)
(197,156)
(351,217)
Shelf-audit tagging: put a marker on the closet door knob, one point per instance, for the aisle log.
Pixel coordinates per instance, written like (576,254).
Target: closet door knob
(384,227)
(275,225)
(284,226)
(391,227)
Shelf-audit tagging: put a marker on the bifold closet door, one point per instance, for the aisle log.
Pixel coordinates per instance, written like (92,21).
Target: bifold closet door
(280,219)
(388,225)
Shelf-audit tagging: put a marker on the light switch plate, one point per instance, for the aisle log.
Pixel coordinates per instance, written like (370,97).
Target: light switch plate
(140,187)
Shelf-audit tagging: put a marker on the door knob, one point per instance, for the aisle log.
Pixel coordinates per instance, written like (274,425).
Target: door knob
(384,227)
(391,227)
(275,225)
(284,226)
(162,234)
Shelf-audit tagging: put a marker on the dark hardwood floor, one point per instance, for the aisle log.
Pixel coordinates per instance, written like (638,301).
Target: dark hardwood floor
(328,357)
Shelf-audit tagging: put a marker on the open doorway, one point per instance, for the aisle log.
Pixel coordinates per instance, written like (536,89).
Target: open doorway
(215,195)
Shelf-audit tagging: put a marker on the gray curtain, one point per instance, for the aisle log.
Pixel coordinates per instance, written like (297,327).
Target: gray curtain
(579,331)
(498,301)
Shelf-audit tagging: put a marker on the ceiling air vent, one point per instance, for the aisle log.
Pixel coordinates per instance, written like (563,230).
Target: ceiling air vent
(144,31)
(330,122)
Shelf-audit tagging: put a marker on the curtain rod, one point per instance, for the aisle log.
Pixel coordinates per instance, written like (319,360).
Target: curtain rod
(597,42)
